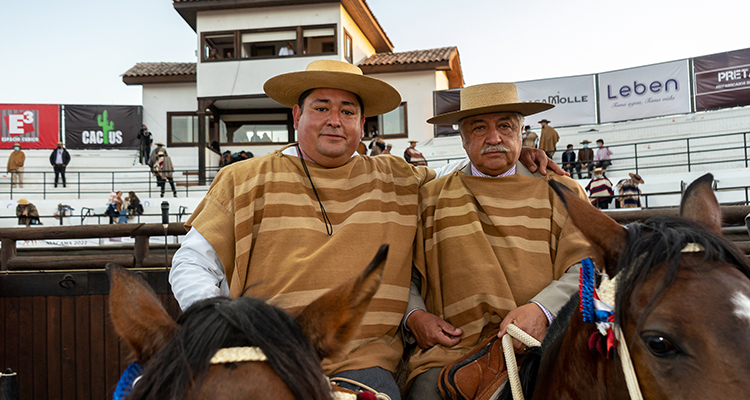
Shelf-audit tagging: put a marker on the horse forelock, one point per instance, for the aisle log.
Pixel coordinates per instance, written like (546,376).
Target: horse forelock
(656,245)
(212,324)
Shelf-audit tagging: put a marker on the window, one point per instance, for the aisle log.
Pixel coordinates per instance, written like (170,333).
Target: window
(348,47)
(182,128)
(390,125)
(260,128)
(218,46)
(292,41)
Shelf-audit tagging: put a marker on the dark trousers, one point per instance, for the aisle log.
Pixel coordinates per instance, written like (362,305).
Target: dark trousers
(574,166)
(59,172)
(162,183)
(602,203)
(603,164)
(589,168)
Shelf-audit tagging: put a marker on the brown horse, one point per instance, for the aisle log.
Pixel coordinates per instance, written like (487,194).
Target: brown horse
(179,358)
(682,301)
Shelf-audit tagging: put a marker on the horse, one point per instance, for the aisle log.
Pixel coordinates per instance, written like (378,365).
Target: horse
(682,302)
(239,348)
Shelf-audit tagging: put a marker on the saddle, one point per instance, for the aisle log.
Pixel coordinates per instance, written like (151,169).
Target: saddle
(480,374)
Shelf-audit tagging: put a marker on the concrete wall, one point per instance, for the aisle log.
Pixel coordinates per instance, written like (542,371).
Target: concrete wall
(361,47)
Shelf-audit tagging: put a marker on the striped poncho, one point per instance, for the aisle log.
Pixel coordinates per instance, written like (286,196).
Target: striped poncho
(264,221)
(490,245)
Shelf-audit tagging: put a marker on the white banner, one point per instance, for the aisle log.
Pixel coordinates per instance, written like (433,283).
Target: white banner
(643,92)
(574,99)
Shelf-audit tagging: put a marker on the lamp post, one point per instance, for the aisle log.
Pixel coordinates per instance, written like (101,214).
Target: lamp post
(165,224)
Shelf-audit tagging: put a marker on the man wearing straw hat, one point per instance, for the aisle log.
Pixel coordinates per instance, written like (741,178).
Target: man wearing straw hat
(548,138)
(414,156)
(497,241)
(295,223)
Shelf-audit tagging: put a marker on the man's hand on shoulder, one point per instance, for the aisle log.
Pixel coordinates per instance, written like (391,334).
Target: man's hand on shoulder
(530,318)
(429,329)
(533,157)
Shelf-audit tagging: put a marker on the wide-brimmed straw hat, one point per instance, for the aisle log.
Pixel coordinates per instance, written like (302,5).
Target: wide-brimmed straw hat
(159,144)
(489,98)
(23,201)
(546,121)
(378,96)
(598,169)
(585,142)
(636,178)
(414,141)
(59,143)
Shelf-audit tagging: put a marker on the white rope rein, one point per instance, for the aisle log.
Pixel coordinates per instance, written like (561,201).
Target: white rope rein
(514,332)
(346,396)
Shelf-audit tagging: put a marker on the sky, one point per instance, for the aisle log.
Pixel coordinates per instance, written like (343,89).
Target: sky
(75,51)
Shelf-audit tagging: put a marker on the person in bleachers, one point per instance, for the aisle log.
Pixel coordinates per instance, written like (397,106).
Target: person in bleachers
(629,192)
(27,213)
(162,167)
(600,190)
(134,204)
(15,166)
(111,210)
(60,158)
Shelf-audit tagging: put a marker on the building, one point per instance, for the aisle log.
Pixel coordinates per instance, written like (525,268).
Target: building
(243,43)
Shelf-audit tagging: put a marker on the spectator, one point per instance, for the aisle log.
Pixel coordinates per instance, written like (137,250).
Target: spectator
(387,150)
(377,145)
(529,137)
(15,166)
(603,155)
(586,159)
(600,190)
(27,213)
(111,210)
(629,194)
(134,204)
(60,158)
(548,138)
(288,50)
(145,140)
(122,209)
(414,156)
(362,148)
(569,163)
(162,167)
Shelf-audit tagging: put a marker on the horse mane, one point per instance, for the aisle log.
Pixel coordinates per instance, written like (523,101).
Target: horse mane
(661,239)
(215,323)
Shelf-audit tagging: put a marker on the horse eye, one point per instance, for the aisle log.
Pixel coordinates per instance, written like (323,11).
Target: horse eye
(659,346)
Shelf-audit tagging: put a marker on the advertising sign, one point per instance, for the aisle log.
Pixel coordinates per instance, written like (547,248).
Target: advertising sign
(643,92)
(102,127)
(34,126)
(445,101)
(722,80)
(574,99)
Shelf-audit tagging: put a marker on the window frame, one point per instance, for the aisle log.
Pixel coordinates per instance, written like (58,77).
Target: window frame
(348,49)
(170,114)
(289,124)
(299,42)
(378,119)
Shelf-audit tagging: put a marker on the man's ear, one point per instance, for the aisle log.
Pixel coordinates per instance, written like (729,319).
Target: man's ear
(296,114)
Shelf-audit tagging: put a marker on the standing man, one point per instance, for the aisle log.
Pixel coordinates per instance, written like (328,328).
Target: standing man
(603,155)
(162,168)
(377,145)
(414,156)
(60,158)
(284,226)
(548,139)
(586,159)
(497,241)
(145,138)
(15,166)
(529,137)
(569,163)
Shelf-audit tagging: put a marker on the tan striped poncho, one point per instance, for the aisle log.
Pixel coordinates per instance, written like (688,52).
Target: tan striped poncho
(265,209)
(490,245)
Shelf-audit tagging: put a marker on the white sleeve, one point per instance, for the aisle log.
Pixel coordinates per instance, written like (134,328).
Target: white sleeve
(196,272)
(450,167)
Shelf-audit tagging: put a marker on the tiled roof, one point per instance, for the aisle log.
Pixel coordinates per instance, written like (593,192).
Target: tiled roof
(161,69)
(442,54)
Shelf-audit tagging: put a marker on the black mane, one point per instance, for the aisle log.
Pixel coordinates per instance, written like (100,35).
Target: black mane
(216,323)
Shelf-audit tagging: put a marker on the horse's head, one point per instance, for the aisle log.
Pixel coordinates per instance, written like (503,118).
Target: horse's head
(181,359)
(683,295)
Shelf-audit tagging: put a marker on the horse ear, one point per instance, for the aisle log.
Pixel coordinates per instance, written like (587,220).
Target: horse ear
(334,318)
(699,203)
(137,314)
(605,234)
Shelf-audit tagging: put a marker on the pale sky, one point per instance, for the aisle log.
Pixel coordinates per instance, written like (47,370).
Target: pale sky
(74,51)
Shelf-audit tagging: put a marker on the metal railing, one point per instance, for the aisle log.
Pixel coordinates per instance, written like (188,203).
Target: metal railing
(96,219)
(97,182)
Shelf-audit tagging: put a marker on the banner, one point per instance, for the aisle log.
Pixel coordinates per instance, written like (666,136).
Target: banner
(34,126)
(574,99)
(643,92)
(445,101)
(722,80)
(102,127)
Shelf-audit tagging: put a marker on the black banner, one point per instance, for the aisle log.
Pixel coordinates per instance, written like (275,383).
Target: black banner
(102,127)
(446,101)
(722,80)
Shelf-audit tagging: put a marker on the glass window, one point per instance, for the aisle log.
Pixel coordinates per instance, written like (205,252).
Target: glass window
(389,125)
(218,46)
(254,128)
(348,47)
(184,129)
(269,44)
(319,40)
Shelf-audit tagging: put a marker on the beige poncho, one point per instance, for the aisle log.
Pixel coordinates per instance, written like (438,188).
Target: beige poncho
(490,245)
(264,209)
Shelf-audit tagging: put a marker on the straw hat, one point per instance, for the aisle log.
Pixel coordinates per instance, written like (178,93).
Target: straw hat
(59,143)
(585,142)
(546,121)
(636,178)
(17,144)
(598,169)
(378,96)
(489,98)
(23,201)
(414,141)
(159,144)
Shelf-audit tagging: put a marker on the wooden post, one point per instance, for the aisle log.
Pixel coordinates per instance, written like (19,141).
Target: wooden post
(8,251)
(140,250)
